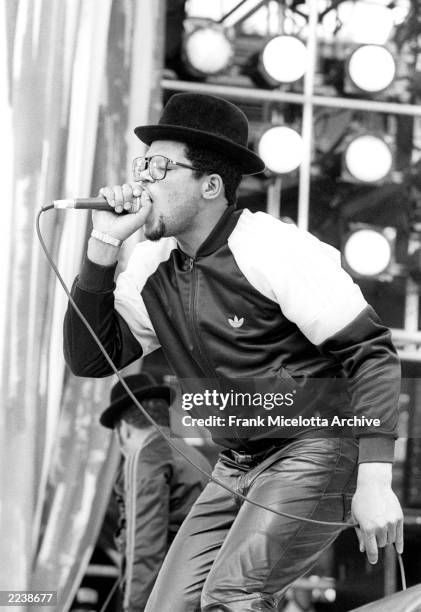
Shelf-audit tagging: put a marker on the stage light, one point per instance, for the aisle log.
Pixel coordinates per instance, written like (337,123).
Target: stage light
(371,68)
(330,595)
(283,60)
(368,158)
(368,251)
(362,22)
(281,148)
(207,48)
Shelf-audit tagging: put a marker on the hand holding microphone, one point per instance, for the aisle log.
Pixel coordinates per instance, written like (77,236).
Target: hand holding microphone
(107,199)
(125,197)
(131,198)
(108,221)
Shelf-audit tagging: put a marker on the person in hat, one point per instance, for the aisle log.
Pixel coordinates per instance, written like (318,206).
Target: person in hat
(155,486)
(239,301)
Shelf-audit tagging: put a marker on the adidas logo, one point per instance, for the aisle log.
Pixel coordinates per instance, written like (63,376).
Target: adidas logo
(236,322)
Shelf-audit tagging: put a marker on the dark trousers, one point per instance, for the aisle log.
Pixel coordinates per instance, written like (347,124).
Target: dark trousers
(232,556)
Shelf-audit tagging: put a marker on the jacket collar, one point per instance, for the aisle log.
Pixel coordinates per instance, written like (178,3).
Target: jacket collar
(220,232)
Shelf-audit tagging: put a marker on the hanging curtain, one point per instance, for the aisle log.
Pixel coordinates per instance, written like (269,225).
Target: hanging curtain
(75,75)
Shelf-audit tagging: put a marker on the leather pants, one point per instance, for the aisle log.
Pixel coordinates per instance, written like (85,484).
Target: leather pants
(232,556)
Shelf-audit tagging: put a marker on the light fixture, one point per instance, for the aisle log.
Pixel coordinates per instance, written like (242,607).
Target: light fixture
(281,148)
(282,60)
(369,251)
(368,158)
(371,68)
(207,48)
(362,22)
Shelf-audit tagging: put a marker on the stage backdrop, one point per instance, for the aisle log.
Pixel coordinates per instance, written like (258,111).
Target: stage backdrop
(75,77)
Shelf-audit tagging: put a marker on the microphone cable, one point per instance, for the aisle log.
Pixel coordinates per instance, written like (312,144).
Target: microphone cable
(117,583)
(342,525)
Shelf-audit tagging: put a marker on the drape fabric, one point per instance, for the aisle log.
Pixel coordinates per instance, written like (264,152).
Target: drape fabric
(75,77)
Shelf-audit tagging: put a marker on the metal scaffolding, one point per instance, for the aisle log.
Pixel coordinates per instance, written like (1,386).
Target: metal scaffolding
(408,339)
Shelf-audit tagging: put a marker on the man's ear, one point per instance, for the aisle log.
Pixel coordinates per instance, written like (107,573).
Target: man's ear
(212,187)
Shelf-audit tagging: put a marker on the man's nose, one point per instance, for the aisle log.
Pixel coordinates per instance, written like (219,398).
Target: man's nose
(145,176)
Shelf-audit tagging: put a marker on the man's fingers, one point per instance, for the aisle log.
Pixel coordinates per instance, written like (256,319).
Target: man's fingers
(136,189)
(399,536)
(127,196)
(382,537)
(391,533)
(118,197)
(108,194)
(360,539)
(371,549)
(377,512)
(123,197)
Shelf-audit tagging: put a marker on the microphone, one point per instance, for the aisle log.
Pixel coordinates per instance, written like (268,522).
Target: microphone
(98,203)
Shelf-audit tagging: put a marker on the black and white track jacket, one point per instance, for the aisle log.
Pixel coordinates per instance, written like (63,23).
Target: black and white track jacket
(260,300)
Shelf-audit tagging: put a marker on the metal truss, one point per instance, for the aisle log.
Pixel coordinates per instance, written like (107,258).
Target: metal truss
(408,339)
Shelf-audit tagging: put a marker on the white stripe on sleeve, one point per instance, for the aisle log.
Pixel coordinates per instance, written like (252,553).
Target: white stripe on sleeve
(299,272)
(146,258)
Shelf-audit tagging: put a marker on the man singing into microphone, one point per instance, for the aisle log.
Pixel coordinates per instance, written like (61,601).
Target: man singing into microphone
(233,296)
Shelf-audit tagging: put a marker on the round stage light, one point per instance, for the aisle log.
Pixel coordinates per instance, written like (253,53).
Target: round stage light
(284,59)
(371,68)
(330,595)
(207,50)
(368,158)
(367,252)
(281,148)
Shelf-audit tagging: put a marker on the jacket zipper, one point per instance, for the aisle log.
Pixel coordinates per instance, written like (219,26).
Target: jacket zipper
(208,369)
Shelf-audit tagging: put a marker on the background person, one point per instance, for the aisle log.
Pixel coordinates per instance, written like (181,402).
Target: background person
(155,486)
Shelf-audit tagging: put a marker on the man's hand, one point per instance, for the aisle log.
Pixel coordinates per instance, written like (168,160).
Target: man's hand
(376,510)
(123,198)
(120,198)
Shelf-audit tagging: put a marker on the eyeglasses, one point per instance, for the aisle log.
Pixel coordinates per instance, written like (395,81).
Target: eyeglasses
(157,166)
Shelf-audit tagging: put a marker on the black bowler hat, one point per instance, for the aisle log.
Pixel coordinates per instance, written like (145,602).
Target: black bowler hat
(143,387)
(206,121)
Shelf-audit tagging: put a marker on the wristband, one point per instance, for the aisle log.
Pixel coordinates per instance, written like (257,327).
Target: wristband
(106,238)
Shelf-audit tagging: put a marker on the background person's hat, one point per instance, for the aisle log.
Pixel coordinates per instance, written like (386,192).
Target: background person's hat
(206,121)
(143,387)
